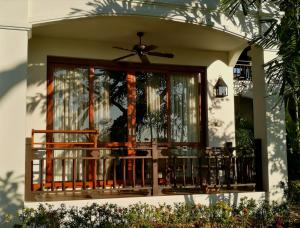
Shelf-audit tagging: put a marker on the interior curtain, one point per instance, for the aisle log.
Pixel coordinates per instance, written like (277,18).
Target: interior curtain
(71,102)
(184,108)
(102,116)
(154,117)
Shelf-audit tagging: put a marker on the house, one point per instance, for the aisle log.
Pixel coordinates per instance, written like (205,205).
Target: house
(108,100)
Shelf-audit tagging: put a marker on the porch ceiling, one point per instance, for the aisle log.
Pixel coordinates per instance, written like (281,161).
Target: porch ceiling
(121,31)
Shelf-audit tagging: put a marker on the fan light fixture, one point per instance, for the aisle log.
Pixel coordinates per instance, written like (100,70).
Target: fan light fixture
(221,89)
(143,50)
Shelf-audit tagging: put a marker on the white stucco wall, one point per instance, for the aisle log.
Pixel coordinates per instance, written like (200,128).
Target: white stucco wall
(203,199)
(195,12)
(269,125)
(13,71)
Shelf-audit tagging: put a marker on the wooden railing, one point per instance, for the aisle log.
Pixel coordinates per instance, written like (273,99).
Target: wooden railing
(153,170)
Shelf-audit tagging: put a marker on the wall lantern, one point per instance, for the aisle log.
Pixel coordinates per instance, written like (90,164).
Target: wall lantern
(221,89)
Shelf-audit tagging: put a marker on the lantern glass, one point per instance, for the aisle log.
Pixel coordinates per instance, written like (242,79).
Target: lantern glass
(221,88)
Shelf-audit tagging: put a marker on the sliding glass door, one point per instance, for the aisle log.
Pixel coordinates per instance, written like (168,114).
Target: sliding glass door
(165,105)
(128,108)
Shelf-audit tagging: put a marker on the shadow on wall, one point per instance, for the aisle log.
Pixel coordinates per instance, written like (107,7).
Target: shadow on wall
(203,12)
(218,132)
(10,200)
(277,142)
(189,12)
(11,78)
(230,198)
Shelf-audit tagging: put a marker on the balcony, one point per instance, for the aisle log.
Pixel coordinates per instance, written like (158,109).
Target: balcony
(242,75)
(80,170)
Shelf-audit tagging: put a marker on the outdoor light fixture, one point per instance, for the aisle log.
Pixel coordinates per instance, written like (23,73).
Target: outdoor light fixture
(221,89)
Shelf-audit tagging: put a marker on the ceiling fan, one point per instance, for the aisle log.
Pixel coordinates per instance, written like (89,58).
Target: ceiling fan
(142,50)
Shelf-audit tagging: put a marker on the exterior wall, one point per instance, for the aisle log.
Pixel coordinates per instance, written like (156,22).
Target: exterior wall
(14,14)
(17,16)
(195,12)
(221,125)
(269,125)
(203,199)
(13,71)
(220,111)
(13,68)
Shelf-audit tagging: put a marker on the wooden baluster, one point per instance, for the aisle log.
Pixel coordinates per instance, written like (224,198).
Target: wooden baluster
(84,175)
(192,171)
(115,173)
(155,187)
(63,163)
(183,171)
(167,172)
(31,175)
(216,170)
(143,172)
(175,171)
(94,173)
(133,172)
(104,173)
(74,174)
(52,176)
(209,167)
(41,174)
(124,172)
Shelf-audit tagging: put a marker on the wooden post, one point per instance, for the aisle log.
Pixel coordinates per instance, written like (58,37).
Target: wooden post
(228,164)
(258,164)
(28,170)
(131,122)
(155,187)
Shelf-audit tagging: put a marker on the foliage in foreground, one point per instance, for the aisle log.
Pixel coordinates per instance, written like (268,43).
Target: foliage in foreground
(221,214)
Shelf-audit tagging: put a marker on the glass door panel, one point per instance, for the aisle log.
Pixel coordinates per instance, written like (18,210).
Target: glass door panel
(110,105)
(70,112)
(151,107)
(185,125)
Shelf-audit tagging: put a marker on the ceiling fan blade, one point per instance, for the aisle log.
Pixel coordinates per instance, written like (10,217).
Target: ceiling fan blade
(166,55)
(149,48)
(144,59)
(124,49)
(123,57)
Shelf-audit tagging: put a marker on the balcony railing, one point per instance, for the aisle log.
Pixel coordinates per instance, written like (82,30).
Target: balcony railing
(153,170)
(242,71)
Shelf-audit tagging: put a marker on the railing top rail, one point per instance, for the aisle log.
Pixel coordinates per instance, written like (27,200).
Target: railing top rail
(93,134)
(34,131)
(244,61)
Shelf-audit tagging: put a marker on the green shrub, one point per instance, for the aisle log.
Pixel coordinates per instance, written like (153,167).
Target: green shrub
(220,214)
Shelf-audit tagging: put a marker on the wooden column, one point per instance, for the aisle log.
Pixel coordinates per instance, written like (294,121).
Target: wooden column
(131,120)
(49,136)
(91,164)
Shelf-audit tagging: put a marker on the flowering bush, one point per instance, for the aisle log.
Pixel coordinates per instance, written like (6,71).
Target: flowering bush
(221,214)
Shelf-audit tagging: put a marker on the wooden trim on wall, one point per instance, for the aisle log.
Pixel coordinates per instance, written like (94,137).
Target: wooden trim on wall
(126,66)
